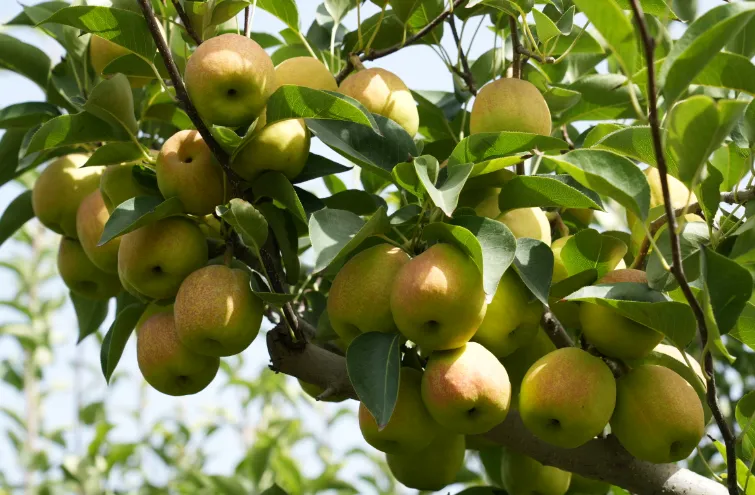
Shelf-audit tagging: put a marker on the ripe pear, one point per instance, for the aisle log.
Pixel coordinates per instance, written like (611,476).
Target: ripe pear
(522,475)
(216,312)
(615,335)
(432,468)
(305,71)
(581,216)
(585,486)
(411,428)
(658,416)
(384,93)
(168,365)
(484,200)
(567,397)
(186,169)
(118,184)
(510,105)
(437,299)
(528,222)
(153,260)
(518,363)
(360,297)
(90,222)
(102,52)
(282,146)
(81,275)
(59,190)
(679,194)
(229,79)
(315,391)
(623,276)
(512,318)
(466,390)
(559,268)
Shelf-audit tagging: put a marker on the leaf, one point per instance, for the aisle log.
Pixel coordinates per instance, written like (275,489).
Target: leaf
(334,184)
(691,236)
(319,166)
(636,142)
(117,336)
(744,413)
(115,154)
(657,8)
(546,28)
(731,161)
(24,59)
(534,264)
(284,230)
(276,186)
(589,249)
(608,174)
(730,71)
(374,366)
(89,313)
(74,129)
(112,101)
(457,236)
(285,10)
(18,212)
(11,144)
(546,191)
(274,490)
(138,212)
(338,8)
(355,201)
(728,285)
(604,97)
(25,115)
(446,197)
(248,223)
(487,146)
(560,99)
(709,193)
(487,67)
(616,28)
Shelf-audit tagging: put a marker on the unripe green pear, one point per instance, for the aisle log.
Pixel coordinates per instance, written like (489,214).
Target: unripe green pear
(585,486)
(484,201)
(315,391)
(360,297)
(567,397)
(528,222)
(384,93)
(153,260)
(522,475)
(168,365)
(102,52)
(510,104)
(411,428)
(186,169)
(559,268)
(59,190)
(437,299)
(466,390)
(615,335)
(305,71)
(229,79)
(658,416)
(511,319)
(216,312)
(81,275)
(90,223)
(518,364)
(432,468)
(282,146)
(118,184)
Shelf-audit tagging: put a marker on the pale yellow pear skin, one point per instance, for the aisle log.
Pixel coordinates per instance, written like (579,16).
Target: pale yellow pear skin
(90,223)
(586,486)
(511,319)
(305,71)
(118,184)
(155,259)
(360,297)
(522,475)
(466,390)
(559,268)
(510,104)
(527,222)
(432,468)
(81,275)
(384,93)
(659,417)
(411,428)
(567,397)
(102,52)
(518,364)
(624,275)
(484,201)
(60,189)
(615,335)
(216,312)
(678,192)
(229,79)
(282,147)
(166,364)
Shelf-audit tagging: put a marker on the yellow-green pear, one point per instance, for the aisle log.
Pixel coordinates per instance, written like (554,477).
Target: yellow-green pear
(680,195)
(559,268)
(186,169)
(512,317)
(315,391)
(305,71)
(90,223)
(567,397)
(81,275)
(615,335)
(484,200)
(411,428)
(466,390)
(528,222)
(518,364)
(581,216)
(384,93)
(282,146)
(168,365)
(586,486)
(118,184)
(102,52)
(153,260)
(510,104)
(59,190)
(360,297)
(432,468)
(229,79)
(522,475)
(658,416)
(624,275)
(437,299)
(216,312)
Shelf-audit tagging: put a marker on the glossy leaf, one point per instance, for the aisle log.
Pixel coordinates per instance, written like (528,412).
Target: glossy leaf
(616,28)
(24,59)
(276,186)
(691,236)
(534,264)
(445,197)
(115,154)
(728,285)
(74,129)
(487,146)
(117,337)
(138,212)
(604,97)
(112,101)
(318,166)
(248,223)
(25,115)
(589,249)
(90,314)
(546,191)
(18,212)
(284,229)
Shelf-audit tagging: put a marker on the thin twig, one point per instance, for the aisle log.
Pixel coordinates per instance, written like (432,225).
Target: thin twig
(247,21)
(187,23)
(555,330)
(528,53)
(516,64)
(677,268)
(466,74)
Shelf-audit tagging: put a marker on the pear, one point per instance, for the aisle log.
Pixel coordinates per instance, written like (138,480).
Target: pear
(512,317)
(585,486)
(484,201)
(102,52)
(659,417)
(527,222)
(229,79)
(466,390)
(166,364)
(624,275)
(559,268)
(615,335)
(437,299)
(153,260)
(90,223)
(510,105)
(432,468)
(518,364)
(411,428)
(81,275)
(315,391)
(118,184)
(216,312)
(282,146)
(522,475)
(360,297)
(567,397)
(384,93)
(680,195)
(305,71)
(59,191)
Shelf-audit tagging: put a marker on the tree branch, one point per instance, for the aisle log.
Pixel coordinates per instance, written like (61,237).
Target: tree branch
(516,63)
(677,268)
(466,73)
(187,23)
(555,330)
(247,21)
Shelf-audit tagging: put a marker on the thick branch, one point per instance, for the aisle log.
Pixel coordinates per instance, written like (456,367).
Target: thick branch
(527,53)
(186,22)
(466,73)
(677,268)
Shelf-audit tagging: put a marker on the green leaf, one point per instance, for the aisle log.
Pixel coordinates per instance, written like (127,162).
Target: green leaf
(744,413)
(616,28)
(318,166)
(546,28)
(115,154)
(284,230)
(24,59)
(487,146)
(276,186)
(405,176)
(604,97)
(699,44)
(11,144)
(25,115)
(534,264)
(488,66)
(608,174)
(732,162)
(457,236)
(636,142)
(691,236)
(728,285)
(589,249)
(355,201)
(117,336)
(74,129)
(274,490)
(657,8)
(170,113)
(248,223)
(285,10)
(446,197)
(112,101)
(546,191)
(372,183)
(89,313)
(227,10)
(18,212)
(709,193)
(138,212)
(339,8)
(561,99)
(334,184)
(373,361)
(730,71)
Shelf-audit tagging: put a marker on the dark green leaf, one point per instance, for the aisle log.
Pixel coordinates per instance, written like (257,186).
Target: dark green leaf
(589,249)
(74,129)
(284,230)
(248,223)
(112,101)
(691,236)
(604,97)
(25,115)
(18,212)
(486,146)
(728,286)
(355,201)
(319,166)
(534,264)
(89,313)
(138,212)
(25,59)
(115,154)
(730,71)
(709,193)
(117,336)
(276,186)
(546,191)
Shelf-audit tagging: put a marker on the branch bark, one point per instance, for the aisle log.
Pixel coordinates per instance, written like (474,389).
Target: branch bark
(187,23)
(466,73)
(516,63)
